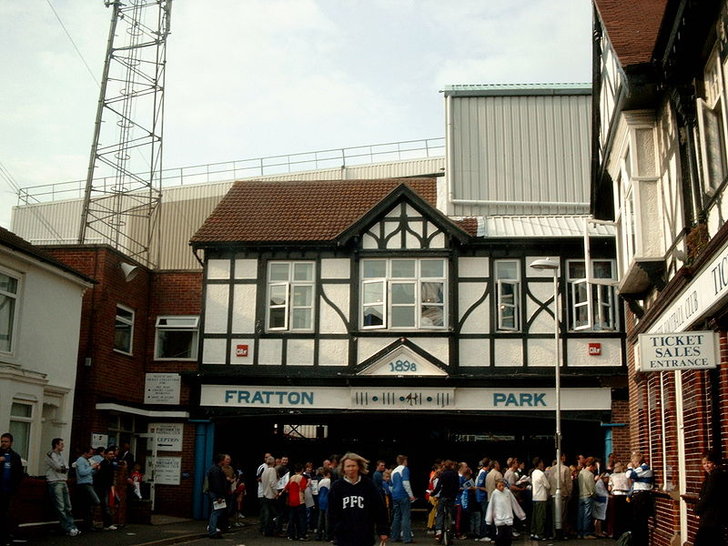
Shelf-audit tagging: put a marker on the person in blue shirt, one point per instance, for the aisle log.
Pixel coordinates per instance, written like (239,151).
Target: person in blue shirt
(402,498)
(378,476)
(87,496)
(481,497)
(324,486)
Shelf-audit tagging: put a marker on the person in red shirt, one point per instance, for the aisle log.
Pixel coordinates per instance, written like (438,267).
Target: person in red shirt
(297,504)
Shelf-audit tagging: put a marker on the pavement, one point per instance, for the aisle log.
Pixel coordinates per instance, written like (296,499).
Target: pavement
(168,530)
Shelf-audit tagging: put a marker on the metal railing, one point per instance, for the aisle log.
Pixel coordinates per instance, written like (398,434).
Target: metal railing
(340,158)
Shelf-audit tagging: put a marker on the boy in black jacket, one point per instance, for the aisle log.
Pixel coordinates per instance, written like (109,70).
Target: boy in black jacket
(356,509)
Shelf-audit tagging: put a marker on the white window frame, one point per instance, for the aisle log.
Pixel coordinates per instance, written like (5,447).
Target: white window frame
(501,306)
(192,326)
(713,123)
(418,280)
(127,322)
(14,299)
(600,302)
(24,420)
(289,287)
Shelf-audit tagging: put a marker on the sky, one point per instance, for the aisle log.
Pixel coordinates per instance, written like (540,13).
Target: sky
(257,78)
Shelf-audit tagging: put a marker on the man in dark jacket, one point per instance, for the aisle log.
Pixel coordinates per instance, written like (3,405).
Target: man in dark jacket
(11,473)
(217,490)
(712,506)
(356,509)
(103,482)
(447,488)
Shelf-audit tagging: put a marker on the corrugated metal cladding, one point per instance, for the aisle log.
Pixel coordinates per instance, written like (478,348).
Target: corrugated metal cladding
(541,226)
(185,208)
(48,223)
(531,150)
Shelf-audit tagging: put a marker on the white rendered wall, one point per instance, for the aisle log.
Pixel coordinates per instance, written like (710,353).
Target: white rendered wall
(41,371)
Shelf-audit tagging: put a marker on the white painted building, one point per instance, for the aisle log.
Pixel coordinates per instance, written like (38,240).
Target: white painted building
(40,319)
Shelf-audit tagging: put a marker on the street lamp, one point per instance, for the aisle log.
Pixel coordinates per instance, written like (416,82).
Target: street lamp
(549,264)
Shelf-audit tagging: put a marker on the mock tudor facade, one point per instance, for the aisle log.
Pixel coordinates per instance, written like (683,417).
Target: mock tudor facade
(660,175)
(333,305)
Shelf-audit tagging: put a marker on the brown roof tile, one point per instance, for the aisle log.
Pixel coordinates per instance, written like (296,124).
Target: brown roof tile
(632,26)
(319,210)
(469,225)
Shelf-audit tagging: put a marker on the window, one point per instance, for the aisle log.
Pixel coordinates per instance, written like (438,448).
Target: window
(120,429)
(123,329)
(21,418)
(176,338)
(290,295)
(8,310)
(592,302)
(403,293)
(508,294)
(711,124)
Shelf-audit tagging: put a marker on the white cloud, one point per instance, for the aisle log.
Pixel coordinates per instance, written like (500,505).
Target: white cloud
(249,78)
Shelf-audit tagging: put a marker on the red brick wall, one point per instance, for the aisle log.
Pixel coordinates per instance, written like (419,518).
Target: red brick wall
(654,431)
(173,293)
(620,435)
(111,376)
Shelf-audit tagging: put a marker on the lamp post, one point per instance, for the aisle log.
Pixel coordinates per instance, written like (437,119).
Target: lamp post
(549,264)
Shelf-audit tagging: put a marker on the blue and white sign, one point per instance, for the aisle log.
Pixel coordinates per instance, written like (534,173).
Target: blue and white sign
(403,398)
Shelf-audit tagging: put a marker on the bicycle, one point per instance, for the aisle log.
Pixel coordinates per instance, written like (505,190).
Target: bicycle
(445,534)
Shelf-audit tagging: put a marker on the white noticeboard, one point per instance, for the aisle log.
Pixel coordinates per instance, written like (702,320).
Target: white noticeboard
(162,388)
(168,435)
(167,470)
(99,440)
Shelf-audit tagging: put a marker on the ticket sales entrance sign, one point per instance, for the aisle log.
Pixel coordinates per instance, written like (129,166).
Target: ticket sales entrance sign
(695,350)
(404,398)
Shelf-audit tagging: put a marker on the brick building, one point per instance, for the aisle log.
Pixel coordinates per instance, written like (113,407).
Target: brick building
(135,322)
(660,174)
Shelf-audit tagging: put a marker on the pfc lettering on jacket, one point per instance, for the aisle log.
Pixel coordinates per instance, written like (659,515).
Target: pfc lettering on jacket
(353,501)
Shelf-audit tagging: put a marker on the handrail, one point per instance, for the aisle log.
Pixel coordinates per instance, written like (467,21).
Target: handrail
(251,168)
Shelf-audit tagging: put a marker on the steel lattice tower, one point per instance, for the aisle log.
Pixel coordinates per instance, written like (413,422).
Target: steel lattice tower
(124,179)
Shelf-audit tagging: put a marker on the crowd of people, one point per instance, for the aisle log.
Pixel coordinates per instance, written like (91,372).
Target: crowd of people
(490,503)
(95,477)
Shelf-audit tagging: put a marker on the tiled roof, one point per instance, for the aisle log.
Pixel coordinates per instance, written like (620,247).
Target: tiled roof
(319,210)
(18,244)
(632,26)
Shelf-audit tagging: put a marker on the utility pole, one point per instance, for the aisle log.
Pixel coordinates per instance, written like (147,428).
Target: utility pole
(124,179)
